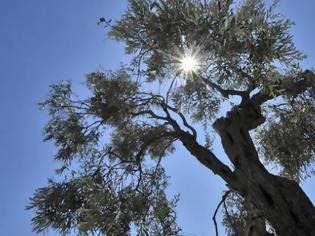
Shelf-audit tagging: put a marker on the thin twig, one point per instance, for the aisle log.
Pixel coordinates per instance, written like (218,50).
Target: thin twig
(169,89)
(216,211)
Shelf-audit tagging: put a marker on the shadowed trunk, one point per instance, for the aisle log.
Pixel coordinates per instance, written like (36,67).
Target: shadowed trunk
(281,201)
(255,223)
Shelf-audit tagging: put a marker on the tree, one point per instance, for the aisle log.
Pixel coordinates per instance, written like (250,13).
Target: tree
(203,56)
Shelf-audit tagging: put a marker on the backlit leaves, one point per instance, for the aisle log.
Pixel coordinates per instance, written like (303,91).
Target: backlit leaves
(91,204)
(116,153)
(289,140)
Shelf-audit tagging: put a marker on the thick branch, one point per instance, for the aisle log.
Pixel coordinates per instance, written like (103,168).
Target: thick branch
(290,87)
(203,155)
(206,157)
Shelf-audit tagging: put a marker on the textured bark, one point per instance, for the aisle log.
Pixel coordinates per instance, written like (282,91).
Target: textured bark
(281,201)
(255,221)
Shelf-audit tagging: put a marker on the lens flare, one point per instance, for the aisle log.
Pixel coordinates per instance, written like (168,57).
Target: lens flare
(189,64)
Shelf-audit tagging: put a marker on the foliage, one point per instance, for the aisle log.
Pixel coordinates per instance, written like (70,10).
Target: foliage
(289,138)
(114,186)
(92,205)
(234,215)
(111,145)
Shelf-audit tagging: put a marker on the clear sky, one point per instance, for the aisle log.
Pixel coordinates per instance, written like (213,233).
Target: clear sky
(44,42)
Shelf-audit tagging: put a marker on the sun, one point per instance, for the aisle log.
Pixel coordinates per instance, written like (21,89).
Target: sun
(188,61)
(189,64)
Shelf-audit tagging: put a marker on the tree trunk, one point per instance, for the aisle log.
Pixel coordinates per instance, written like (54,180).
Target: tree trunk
(255,223)
(281,201)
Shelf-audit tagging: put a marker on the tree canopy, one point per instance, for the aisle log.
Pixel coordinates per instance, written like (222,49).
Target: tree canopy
(110,144)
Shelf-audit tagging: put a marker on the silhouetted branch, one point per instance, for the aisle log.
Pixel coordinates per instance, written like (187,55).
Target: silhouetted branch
(224,92)
(216,211)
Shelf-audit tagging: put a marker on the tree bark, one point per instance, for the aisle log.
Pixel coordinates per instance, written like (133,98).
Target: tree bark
(255,223)
(281,201)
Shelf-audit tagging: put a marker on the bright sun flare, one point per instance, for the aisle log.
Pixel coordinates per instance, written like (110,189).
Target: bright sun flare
(189,64)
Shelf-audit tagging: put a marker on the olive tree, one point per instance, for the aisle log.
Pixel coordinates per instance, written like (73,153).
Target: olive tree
(231,67)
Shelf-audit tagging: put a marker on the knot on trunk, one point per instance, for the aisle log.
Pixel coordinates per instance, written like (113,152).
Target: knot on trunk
(251,115)
(247,116)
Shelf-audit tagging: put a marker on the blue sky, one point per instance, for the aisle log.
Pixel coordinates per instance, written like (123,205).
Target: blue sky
(45,42)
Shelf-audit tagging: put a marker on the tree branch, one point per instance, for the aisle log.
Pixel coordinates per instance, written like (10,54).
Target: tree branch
(290,87)
(181,115)
(224,92)
(203,155)
(216,211)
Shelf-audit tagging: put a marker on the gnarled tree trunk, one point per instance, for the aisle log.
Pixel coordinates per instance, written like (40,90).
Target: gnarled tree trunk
(281,201)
